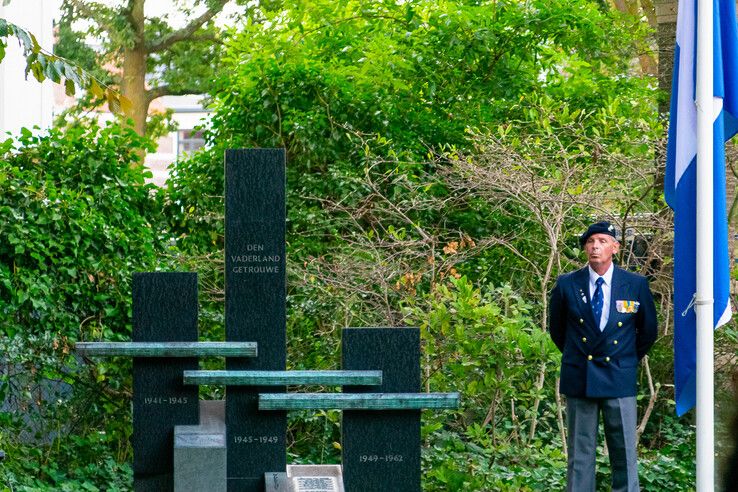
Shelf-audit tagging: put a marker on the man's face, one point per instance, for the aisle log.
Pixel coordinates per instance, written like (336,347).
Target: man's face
(599,249)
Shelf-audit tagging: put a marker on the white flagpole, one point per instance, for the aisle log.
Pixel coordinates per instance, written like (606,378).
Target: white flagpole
(704,303)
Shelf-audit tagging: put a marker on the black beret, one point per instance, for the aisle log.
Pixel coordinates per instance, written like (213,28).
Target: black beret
(598,228)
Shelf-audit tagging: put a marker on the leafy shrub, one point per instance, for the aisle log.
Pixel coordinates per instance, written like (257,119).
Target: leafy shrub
(76,220)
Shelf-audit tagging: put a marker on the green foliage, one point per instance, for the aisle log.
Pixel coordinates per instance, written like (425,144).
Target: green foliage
(361,92)
(351,89)
(84,463)
(454,463)
(186,68)
(484,345)
(68,46)
(76,220)
(72,214)
(320,78)
(419,73)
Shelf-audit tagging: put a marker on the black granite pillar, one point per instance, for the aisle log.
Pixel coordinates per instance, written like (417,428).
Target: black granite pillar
(255,308)
(381,449)
(164,310)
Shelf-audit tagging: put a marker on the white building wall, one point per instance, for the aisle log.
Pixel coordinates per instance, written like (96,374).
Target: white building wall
(187,113)
(26,103)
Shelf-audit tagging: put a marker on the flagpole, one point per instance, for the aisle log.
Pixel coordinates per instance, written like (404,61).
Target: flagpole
(704,303)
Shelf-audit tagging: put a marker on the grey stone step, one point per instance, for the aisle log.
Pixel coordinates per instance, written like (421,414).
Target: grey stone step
(200,451)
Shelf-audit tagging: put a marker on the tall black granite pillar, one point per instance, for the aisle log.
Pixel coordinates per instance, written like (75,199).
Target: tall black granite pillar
(255,308)
(164,310)
(381,448)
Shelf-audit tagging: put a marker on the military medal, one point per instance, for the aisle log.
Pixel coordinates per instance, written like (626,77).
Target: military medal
(629,307)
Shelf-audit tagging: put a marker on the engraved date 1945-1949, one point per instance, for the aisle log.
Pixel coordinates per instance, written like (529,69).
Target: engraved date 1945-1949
(255,439)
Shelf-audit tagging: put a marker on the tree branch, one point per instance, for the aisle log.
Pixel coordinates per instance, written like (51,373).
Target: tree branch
(167,90)
(96,12)
(653,392)
(187,31)
(207,36)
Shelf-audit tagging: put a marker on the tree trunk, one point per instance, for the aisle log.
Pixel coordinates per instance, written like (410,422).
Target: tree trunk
(133,86)
(639,9)
(666,16)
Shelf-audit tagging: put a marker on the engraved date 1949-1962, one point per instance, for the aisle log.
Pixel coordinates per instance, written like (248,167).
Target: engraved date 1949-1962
(387,458)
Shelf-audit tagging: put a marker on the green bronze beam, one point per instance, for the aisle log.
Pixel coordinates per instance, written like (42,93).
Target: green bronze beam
(167,349)
(283,378)
(357,401)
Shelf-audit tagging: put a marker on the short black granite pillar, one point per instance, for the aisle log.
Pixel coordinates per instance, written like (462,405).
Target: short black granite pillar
(164,310)
(381,448)
(255,293)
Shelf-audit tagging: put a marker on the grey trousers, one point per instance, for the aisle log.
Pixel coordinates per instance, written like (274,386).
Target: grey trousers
(619,417)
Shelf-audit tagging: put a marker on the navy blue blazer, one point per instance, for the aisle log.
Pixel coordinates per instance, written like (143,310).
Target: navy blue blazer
(594,363)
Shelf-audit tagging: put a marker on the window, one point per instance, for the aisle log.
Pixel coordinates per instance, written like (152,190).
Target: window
(189,141)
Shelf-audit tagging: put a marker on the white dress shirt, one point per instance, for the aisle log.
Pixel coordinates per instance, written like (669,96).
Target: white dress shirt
(606,289)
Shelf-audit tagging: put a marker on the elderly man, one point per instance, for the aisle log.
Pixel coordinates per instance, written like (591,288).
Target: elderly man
(603,320)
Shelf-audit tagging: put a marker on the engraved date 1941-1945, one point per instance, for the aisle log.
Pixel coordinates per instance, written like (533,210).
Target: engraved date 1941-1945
(165,400)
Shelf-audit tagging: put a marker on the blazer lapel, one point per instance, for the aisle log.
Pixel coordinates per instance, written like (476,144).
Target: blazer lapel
(581,284)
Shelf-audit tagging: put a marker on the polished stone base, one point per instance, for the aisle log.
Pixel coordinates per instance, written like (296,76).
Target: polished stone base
(200,451)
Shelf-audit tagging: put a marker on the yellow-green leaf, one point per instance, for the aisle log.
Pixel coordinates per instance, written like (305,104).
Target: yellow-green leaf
(68,87)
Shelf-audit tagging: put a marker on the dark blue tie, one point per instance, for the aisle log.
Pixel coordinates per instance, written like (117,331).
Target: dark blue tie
(597,301)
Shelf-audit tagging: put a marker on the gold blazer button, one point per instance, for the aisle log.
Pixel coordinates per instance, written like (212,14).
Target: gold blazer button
(620,323)
(581,321)
(589,357)
(584,339)
(614,342)
(607,359)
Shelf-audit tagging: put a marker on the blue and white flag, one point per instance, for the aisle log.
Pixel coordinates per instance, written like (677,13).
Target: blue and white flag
(680,181)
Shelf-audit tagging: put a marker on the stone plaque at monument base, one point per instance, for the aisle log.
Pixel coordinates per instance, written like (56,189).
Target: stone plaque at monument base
(306,478)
